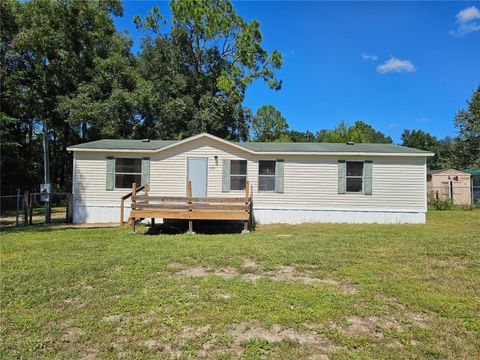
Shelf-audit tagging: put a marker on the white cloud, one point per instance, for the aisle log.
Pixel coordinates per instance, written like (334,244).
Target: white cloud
(468,14)
(392,126)
(467,21)
(369,57)
(396,65)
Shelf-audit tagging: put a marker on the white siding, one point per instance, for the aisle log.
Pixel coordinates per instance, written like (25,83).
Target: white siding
(310,181)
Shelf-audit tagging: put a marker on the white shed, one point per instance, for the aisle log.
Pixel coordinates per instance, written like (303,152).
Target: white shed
(291,182)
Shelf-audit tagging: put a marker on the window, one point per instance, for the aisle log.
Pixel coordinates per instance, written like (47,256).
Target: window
(127,172)
(266,175)
(354,176)
(238,174)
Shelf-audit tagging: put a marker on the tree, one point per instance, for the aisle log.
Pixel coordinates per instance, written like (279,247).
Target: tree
(48,49)
(300,136)
(360,132)
(467,122)
(422,140)
(203,67)
(269,125)
(105,104)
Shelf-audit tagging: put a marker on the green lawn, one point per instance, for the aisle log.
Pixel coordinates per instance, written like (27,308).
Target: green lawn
(282,292)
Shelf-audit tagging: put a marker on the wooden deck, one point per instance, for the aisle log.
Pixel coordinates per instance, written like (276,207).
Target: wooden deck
(187,208)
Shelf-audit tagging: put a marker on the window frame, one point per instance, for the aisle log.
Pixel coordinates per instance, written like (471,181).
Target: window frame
(238,175)
(115,173)
(355,176)
(274,176)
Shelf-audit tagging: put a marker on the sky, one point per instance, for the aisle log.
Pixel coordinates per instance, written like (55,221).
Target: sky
(394,65)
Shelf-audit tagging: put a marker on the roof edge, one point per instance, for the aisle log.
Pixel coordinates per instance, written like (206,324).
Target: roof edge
(245,149)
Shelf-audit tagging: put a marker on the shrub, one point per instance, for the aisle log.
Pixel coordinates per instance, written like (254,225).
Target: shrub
(441,204)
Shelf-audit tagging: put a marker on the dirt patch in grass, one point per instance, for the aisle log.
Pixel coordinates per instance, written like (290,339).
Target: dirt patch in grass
(152,345)
(200,272)
(245,332)
(191,332)
(90,354)
(249,264)
(290,274)
(224,296)
(71,300)
(376,326)
(281,273)
(71,334)
(113,318)
(452,262)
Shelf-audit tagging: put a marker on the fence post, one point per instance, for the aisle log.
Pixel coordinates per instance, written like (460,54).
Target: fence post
(30,209)
(48,209)
(26,196)
(18,207)
(472,203)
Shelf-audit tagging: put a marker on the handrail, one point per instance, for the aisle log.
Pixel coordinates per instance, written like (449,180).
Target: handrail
(125,197)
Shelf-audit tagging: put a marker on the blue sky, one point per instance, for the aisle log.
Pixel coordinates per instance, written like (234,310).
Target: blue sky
(394,65)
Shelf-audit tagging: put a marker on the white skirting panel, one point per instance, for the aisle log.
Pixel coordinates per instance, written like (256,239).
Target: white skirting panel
(93,214)
(98,213)
(299,216)
(111,214)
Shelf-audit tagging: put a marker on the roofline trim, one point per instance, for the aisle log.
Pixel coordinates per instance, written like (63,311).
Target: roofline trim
(184,141)
(239,147)
(445,170)
(317,153)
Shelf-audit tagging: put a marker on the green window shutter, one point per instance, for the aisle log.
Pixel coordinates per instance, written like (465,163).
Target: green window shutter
(110,184)
(226,176)
(279,170)
(342,173)
(146,171)
(367,186)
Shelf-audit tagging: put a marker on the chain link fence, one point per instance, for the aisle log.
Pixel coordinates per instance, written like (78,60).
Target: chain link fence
(458,195)
(23,209)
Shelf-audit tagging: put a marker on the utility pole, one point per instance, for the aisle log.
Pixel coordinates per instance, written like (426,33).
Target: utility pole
(46,174)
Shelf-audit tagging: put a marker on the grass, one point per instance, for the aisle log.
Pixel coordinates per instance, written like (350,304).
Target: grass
(344,291)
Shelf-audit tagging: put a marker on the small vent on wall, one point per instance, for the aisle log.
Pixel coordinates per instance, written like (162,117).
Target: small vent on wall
(350,143)
(145,140)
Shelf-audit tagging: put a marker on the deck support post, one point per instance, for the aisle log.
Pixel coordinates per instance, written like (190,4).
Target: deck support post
(247,200)
(134,192)
(189,195)
(122,211)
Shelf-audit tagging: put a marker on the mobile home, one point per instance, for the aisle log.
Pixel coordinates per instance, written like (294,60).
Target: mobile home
(290,182)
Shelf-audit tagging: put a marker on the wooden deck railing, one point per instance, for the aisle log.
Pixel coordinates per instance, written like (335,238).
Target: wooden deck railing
(189,208)
(125,197)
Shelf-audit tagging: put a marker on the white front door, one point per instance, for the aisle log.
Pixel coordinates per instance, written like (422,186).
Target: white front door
(197,173)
